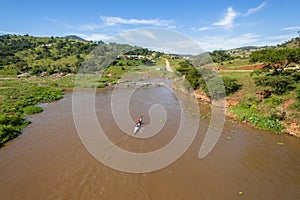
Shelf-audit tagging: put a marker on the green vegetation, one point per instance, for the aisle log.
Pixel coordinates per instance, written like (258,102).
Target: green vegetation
(208,81)
(20,54)
(296,104)
(238,63)
(219,56)
(276,60)
(292,44)
(277,82)
(191,74)
(18,101)
(277,76)
(32,110)
(46,56)
(250,113)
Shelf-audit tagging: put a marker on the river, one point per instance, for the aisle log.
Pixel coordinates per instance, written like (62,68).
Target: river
(49,161)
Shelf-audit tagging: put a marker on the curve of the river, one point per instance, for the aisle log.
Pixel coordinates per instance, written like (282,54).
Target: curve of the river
(48,161)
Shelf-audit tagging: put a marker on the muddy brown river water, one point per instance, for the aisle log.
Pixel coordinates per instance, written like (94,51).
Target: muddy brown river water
(49,161)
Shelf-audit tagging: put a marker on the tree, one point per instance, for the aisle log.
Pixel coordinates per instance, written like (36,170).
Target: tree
(191,74)
(278,84)
(278,80)
(220,56)
(276,59)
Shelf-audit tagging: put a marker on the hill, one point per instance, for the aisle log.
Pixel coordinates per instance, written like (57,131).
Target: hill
(244,52)
(75,37)
(20,54)
(50,55)
(293,43)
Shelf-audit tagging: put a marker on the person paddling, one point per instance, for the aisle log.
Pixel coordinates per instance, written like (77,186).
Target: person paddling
(140,120)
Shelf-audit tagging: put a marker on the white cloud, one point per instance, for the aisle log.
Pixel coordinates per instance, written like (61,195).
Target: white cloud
(112,21)
(254,10)
(93,37)
(203,28)
(159,39)
(291,28)
(227,21)
(187,46)
(210,43)
(86,27)
(146,33)
(280,38)
(50,19)
(136,36)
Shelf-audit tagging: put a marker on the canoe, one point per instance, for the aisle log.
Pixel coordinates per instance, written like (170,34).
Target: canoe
(136,128)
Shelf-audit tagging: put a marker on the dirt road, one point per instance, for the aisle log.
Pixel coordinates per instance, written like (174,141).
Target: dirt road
(168,66)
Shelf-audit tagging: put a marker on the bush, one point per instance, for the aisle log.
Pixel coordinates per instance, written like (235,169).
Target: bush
(254,117)
(279,84)
(273,101)
(7,133)
(231,85)
(214,87)
(218,87)
(191,74)
(32,110)
(13,120)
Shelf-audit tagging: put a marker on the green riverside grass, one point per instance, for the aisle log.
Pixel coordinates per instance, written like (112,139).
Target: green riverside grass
(20,100)
(254,117)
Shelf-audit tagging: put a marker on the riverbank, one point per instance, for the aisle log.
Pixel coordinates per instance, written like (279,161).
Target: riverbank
(246,105)
(22,97)
(256,120)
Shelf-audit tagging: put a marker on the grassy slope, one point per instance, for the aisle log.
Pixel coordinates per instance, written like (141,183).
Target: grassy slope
(236,64)
(60,52)
(262,114)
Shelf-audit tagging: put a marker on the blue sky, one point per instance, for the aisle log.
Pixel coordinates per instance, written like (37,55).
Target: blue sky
(213,24)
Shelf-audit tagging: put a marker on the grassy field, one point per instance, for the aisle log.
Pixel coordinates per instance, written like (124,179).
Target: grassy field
(236,64)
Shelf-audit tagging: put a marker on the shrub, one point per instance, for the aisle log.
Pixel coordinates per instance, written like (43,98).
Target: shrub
(32,109)
(279,84)
(252,115)
(231,85)
(217,88)
(13,120)
(296,104)
(7,133)
(273,101)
